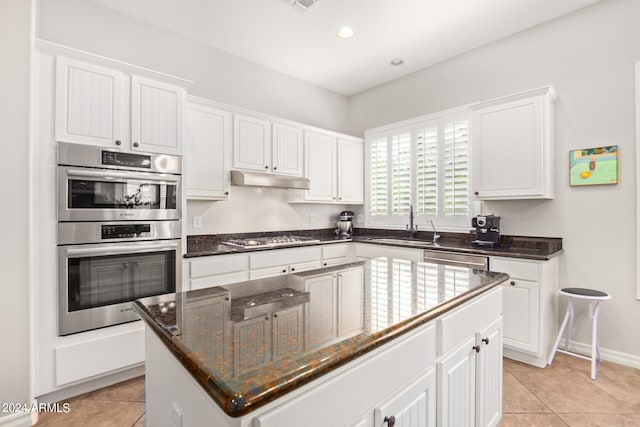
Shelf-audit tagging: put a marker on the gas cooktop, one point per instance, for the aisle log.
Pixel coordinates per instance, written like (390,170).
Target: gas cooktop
(269,242)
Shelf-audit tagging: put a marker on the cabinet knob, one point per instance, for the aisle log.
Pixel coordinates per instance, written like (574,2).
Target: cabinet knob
(293,269)
(324,263)
(391,421)
(485,340)
(334,198)
(135,144)
(512,283)
(118,142)
(476,348)
(226,298)
(275,315)
(476,193)
(275,167)
(266,167)
(226,193)
(266,318)
(284,270)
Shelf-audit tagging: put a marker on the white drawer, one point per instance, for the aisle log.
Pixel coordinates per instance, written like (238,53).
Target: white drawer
(284,257)
(219,264)
(219,280)
(518,269)
(335,250)
(330,262)
(95,357)
(465,321)
(304,266)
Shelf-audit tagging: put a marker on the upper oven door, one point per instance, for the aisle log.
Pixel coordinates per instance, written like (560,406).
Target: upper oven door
(89,194)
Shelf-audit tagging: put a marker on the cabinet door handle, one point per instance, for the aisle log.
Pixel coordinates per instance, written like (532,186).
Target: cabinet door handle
(391,421)
(118,142)
(476,348)
(485,340)
(135,144)
(512,283)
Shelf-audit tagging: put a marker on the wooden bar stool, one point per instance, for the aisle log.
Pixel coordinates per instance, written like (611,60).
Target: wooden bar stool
(595,298)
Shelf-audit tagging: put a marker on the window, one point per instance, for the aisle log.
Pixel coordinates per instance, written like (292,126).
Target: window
(424,164)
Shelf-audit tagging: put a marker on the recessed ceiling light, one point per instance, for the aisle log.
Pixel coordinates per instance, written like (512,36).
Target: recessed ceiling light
(397,61)
(345,32)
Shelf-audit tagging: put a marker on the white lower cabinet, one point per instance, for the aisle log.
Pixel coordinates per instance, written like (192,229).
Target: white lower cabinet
(412,406)
(470,370)
(529,308)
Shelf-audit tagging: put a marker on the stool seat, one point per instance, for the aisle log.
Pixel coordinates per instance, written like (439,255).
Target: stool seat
(585,293)
(595,297)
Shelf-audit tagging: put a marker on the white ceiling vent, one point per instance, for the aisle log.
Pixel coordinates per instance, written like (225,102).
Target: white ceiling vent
(305,4)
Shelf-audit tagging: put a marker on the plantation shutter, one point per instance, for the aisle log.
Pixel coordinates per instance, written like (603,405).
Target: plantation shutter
(456,168)
(401,285)
(378,176)
(379,294)
(427,171)
(400,173)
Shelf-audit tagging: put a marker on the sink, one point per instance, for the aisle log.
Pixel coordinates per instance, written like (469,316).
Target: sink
(408,242)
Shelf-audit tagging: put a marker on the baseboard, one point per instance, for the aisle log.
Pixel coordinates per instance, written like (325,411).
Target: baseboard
(20,419)
(608,355)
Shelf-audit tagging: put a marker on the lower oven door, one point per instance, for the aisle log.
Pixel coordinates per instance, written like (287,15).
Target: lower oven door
(97,283)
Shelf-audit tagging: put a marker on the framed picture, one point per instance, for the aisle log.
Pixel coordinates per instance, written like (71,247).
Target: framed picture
(594,166)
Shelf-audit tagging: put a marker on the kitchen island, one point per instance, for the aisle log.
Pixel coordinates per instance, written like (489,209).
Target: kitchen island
(381,342)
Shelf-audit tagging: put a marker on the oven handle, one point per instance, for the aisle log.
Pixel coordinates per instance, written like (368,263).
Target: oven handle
(115,250)
(121,175)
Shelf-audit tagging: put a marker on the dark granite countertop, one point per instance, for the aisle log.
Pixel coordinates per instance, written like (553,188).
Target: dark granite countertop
(216,333)
(535,248)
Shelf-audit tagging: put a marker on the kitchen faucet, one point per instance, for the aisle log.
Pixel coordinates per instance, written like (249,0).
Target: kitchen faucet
(413,229)
(436,236)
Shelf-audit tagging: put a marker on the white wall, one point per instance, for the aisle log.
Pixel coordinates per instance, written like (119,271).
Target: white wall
(15,44)
(589,57)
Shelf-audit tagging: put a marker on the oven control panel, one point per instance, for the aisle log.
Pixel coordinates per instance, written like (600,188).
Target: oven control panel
(122,231)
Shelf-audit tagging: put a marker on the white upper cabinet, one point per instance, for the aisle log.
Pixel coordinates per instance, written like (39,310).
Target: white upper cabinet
(112,107)
(88,103)
(251,143)
(320,167)
(207,151)
(264,146)
(287,150)
(335,167)
(350,171)
(157,114)
(513,146)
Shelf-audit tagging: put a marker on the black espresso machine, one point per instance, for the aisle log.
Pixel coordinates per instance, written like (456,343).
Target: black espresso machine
(487,230)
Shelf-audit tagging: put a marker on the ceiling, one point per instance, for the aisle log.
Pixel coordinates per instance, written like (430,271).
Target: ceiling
(303,43)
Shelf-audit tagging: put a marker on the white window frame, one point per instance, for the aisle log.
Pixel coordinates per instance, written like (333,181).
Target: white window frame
(442,223)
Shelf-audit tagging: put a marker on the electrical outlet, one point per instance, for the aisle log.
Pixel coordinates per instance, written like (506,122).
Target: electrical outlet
(197,221)
(176,415)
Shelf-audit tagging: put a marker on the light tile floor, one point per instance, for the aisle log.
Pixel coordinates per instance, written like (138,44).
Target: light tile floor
(559,395)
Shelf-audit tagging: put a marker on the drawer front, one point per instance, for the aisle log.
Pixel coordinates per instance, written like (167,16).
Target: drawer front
(335,251)
(219,280)
(215,265)
(283,257)
(465,321)
(521,269)
(330,262)
(304,266)
(368,251)
(262,273)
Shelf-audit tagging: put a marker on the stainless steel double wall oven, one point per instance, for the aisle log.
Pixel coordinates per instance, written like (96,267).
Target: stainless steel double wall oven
(119,229)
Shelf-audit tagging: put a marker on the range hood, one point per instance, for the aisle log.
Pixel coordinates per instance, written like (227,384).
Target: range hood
(257,179)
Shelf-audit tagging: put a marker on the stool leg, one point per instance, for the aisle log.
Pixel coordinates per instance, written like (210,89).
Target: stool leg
(568,314)
(570,308)
(594,341)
